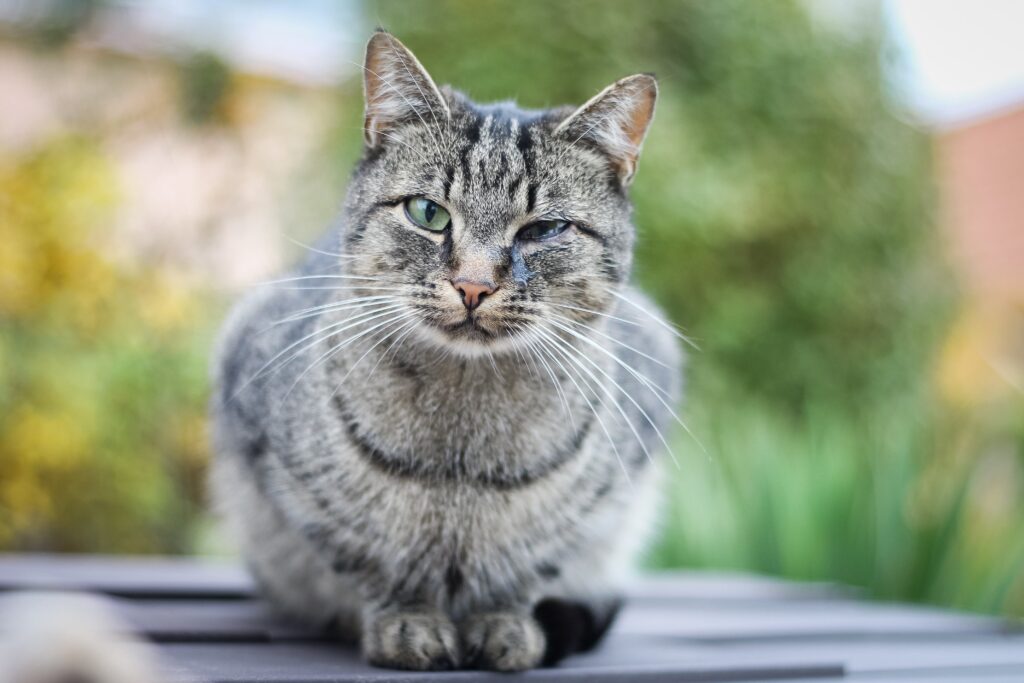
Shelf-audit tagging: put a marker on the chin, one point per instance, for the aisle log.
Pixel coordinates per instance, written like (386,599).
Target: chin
(468,338)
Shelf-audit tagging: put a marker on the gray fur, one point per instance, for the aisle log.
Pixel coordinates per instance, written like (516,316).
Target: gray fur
(422,484)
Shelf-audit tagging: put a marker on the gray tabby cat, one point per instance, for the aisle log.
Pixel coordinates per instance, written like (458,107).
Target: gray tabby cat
(437,436)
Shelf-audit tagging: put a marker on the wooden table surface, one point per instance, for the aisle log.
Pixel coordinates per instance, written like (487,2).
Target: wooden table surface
(209,625)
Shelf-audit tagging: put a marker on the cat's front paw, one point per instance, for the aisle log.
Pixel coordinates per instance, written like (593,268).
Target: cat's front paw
(502,641)
(418,640)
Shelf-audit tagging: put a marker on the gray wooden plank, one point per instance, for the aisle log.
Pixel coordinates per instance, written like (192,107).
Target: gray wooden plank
(987,675)
(796,619)
(293,662)
(680,627)
(699,586)
(894,657)
(184,620)
(161,577)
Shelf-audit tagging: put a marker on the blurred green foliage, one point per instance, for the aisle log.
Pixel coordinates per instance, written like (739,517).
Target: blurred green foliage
(102,441)
(205,82)
(61,21)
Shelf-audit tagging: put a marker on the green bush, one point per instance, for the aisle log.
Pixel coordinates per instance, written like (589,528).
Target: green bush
(102,375)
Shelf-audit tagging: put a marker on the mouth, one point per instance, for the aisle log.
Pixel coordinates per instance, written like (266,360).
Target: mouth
(469,327)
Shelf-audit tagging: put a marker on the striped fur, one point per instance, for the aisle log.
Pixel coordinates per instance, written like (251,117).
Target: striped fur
(453,493)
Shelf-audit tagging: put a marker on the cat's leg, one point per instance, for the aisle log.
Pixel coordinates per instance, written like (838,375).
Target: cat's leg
(287,567)
(415,637)
(503,640)
(574,625)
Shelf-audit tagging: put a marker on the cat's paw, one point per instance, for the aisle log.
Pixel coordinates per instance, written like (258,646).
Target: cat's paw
(502,641)
(416,640)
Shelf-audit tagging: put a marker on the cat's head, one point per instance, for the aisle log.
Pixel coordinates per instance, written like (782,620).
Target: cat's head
(487,221)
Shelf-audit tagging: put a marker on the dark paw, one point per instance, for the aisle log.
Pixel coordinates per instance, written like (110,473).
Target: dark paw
(571,627)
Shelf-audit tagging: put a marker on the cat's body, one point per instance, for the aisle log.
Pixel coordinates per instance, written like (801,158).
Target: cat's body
(461,472)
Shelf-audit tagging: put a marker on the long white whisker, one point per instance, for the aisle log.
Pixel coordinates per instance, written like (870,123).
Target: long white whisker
(337,347)
(494,366)
(291,346)
(399,319)
(656,318)
(610,338)
(343,305)
(329,276)
(629,423)
(544,345)
(409,328)
(592,311)
(317,251)
(554,381)
(642,379)
(351,321)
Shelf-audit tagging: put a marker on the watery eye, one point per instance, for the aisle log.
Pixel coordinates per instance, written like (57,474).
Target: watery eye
(543,230)
(427,214)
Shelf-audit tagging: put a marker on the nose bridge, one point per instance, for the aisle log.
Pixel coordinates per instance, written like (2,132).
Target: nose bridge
(475,260)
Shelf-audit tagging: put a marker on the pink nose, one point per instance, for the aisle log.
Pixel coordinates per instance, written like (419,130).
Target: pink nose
(472,292)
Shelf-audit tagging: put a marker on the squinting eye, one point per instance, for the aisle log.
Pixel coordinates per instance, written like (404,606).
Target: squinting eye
(426,214)
(543,230)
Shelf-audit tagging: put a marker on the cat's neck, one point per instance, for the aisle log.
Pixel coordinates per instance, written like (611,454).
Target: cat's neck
(512,412)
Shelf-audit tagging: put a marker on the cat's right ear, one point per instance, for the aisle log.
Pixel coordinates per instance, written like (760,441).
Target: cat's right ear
(397,88)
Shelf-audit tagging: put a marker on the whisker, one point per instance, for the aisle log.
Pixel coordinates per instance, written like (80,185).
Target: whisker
(317,251)
(343,305)
(592,311)
(629,423)
(399,319)
(337,347)
(656,318)
(330,276)
(351,320)
(411,326)
(545,346)
(285,350)
(643,379)
(494,366)
(554,381)
(611,339)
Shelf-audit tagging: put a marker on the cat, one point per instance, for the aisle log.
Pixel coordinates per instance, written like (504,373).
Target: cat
(438,436)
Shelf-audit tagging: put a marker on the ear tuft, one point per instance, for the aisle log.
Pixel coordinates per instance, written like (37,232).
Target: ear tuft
(397,89)
(616,120)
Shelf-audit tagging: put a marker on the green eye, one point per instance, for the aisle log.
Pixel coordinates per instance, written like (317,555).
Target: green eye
(427,214)
(543,230)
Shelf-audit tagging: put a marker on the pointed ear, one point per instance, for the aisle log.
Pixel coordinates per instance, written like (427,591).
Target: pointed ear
(397,88)
(616,121)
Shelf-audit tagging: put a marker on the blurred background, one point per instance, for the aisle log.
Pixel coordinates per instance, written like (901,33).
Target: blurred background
(831,202)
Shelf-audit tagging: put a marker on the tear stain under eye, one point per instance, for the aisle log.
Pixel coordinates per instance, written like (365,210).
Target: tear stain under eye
(447,249)
(520,273)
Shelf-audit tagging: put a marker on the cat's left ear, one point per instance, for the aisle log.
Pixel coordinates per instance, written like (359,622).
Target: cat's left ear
(616,121)
(397,88)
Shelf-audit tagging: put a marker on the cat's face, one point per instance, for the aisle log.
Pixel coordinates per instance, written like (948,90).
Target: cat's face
(484,221)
